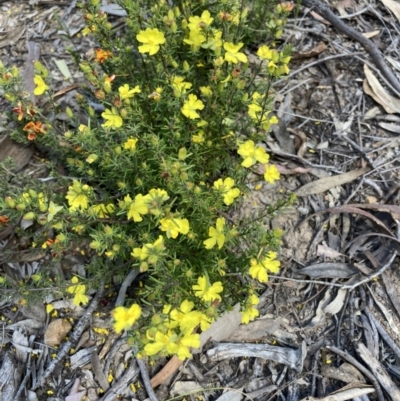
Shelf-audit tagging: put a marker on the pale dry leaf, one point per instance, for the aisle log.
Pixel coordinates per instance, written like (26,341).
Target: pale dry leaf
(231,395)
(387,314)
(324,184)
(28,324)
(12,36)
(342,5)
(390,127)
(345,372)
(315,51)
(385,99)
(393,62)
(320,312)
(222,328)
(326,251)
(186,387)
(337,304)
(372,113)
(63,67)
(393,6)
(20,342)
(371,34)
(368,90)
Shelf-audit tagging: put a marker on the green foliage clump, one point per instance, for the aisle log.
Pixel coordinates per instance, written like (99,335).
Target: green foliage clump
(171,117)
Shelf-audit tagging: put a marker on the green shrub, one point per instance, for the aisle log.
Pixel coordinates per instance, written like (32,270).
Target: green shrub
(157,170)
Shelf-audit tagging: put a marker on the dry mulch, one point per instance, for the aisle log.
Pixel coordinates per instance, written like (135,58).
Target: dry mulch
(330,322)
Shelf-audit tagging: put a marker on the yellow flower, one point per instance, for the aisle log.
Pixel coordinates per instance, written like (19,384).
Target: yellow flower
(126,93)
(174,226)
(258,270)
(216,235)
(196,38)
(77,196)
(137,208)
(180,86)
(130,144)
(125,318)
(155,198)
(232,54)
(150,251)
(114,120)
(252,154)
(102,211)
(199,138)
(190,106)
(196,23)
(152,39)
(206,91)
(214,42)
(253,110)
(53,210)
(207,292)
(226,188)
(265,53)
(162,342)
(249,314)
(92,158)
(79,292)
(184,344)
(41,86)
(271,173)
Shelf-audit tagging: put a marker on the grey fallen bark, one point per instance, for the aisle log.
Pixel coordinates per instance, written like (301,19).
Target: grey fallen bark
(287,356)
(73,338)
(10,376)
(379,372)
(130,375)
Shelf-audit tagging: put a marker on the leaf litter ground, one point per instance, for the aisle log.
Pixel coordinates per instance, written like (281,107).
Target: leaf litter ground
(330,322)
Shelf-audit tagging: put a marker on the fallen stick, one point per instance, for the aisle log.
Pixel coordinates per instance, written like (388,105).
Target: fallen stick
(368,45)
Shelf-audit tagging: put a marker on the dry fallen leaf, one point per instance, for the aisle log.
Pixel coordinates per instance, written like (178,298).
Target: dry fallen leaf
(56,332)
(393,6)
(388,102)
(371,34)
(12,36)
(324,184)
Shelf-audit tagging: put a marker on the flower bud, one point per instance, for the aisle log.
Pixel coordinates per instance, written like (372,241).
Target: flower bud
(241,84)
(29,216)
(184,176)
(182,154)
(152,259)
(143,267)
(69,112)
(20,207)
(186,66)
(10,202)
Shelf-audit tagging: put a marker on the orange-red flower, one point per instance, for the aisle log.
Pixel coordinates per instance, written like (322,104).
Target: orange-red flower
(4,220)
(102,55)
(34,128)
(20,110)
